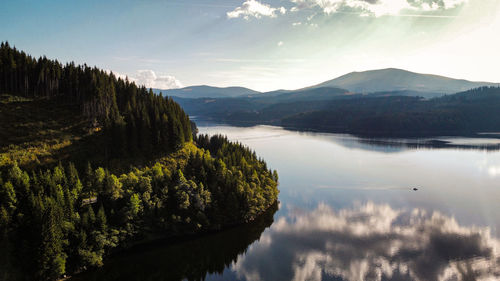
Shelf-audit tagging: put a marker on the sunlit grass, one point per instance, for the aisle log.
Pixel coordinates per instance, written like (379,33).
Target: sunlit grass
(34,132)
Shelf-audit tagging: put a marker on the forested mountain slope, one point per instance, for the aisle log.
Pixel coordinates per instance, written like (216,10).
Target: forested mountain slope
(464,113)
(90,163)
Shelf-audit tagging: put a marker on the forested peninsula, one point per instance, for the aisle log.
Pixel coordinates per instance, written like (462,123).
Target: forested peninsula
(91,163)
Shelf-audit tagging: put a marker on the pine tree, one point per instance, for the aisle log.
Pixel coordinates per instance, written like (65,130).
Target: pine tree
(52,257)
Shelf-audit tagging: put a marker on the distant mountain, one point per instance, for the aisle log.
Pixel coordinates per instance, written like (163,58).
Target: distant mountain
(406,93)
(382,82)
(392,115)
(393,79)
(467,113)
(208,92)
(324,93)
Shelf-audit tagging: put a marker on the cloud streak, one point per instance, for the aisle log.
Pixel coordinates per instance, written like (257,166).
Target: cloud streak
(255,9)
(377,7)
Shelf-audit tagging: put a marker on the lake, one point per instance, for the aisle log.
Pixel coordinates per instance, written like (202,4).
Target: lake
(350,209)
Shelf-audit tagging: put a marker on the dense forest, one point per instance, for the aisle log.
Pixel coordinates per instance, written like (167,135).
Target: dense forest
(466,113)
(91,164)
(135,118)
(378,114)
(212,253)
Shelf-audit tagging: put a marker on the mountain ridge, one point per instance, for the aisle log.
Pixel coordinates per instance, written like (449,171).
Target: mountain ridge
(395,79)
(205,91)
(363,82)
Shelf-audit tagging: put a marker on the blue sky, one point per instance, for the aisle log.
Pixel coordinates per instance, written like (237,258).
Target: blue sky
(260,44)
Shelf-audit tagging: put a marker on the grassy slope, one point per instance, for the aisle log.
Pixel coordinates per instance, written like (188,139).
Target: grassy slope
(42,132)
(34,132)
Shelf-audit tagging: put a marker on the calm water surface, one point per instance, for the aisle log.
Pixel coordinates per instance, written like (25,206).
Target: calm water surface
(348,212)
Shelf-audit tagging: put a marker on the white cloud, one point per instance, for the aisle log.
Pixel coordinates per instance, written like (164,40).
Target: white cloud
(280,43)
(253,8)
(372,242)
(377,7)
(150,79)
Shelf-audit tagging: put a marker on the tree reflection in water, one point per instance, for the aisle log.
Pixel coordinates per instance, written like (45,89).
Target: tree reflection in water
(365,242)
(192,259)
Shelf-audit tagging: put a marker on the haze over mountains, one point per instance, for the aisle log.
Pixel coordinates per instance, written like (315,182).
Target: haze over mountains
(207,92)
(402,82)
(387,102)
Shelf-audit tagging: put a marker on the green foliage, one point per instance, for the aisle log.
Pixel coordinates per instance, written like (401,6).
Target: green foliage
(52,257)
(240,182)
(77,228)
(8,196)
(135,205)
(58,217)
(111,116)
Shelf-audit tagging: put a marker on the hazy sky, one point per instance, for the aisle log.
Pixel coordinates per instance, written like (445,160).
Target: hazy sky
(260,44)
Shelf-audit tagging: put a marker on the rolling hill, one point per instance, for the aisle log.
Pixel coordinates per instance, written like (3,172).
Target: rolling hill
(207,92)
(381,82)
(392,79)
(378,102)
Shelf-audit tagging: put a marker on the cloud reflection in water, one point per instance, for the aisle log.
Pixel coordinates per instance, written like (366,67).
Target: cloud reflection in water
(371,242)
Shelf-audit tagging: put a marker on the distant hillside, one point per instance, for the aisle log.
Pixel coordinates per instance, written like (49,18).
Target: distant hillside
(207,92)
(392,79)
(377,114)
(382,82)
(240,107)
(466,113)
(323,93)
(405,93)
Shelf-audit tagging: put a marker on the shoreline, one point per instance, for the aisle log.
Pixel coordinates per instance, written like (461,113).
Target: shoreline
(156,239)
(404,140)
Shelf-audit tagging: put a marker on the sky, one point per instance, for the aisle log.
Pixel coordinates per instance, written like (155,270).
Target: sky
(260,44)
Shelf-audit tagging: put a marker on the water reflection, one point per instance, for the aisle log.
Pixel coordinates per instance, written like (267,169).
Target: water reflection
(485,144)
(391,145)
(371,242)
(339,169)
(192,259)
(318,234)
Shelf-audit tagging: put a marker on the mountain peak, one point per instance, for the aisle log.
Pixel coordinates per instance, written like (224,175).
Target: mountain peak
(395,79)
